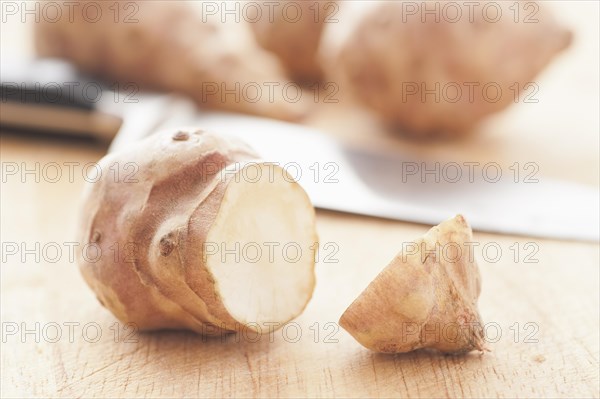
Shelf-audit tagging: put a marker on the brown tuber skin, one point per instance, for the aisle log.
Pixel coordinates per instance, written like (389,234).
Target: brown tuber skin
(169,47)
(295,42)
(393,62)
(161,218)
(422,299)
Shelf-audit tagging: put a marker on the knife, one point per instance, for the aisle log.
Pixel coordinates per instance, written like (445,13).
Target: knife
(344,178)
(381,184)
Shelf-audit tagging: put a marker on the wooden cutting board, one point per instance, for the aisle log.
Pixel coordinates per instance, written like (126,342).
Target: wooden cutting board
(542,310)
(544,317)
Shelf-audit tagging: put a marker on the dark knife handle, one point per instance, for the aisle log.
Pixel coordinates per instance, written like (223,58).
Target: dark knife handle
(50,96)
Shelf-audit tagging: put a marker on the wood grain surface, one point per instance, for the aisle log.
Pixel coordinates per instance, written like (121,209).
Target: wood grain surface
(543,317)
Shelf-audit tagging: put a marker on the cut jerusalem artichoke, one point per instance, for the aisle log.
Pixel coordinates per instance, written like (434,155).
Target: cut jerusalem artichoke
(441,77)
(168,46)
(425,298)
(169,242)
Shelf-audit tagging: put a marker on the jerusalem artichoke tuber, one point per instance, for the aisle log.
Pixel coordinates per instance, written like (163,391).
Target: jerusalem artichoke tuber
(433,75)
(425,298)
(168,46)
(294,36)
(170,242)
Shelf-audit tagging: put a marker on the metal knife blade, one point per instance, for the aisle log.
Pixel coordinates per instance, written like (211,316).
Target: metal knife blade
(335,176)
(341,178)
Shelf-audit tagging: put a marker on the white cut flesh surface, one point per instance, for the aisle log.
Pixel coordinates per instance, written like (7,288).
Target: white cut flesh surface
(263,247)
